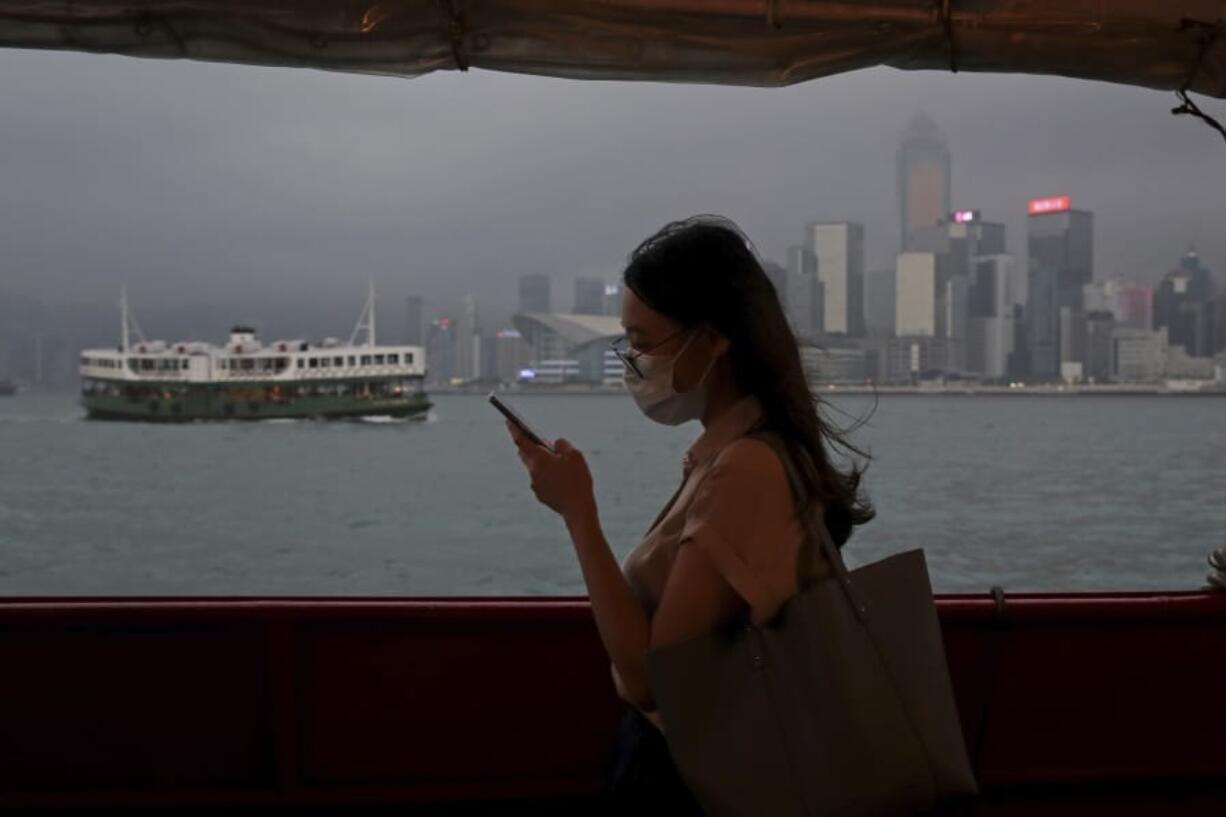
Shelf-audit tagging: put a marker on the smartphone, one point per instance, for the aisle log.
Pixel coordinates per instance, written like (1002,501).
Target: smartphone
(527,430)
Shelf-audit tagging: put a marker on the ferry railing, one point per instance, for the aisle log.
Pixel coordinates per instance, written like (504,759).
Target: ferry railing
(1071,703)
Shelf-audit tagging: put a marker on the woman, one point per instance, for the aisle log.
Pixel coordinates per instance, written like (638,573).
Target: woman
(706,339)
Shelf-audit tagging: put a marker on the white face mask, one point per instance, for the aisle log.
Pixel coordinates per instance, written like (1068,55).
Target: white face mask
(654,392)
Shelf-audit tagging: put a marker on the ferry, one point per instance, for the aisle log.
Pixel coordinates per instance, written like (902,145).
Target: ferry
(248,380)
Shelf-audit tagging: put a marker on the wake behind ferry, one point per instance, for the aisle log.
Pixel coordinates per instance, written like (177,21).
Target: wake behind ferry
(247,380)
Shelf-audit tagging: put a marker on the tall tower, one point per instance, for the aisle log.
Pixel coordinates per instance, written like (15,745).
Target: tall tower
(414,334)
(923,178)
(839,250)
(802,291)
(1060,246)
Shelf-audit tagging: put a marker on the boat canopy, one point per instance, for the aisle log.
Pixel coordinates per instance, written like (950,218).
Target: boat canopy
(1165,44)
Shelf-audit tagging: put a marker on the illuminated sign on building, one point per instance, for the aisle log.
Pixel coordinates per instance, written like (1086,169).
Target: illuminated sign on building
(965,216)
(1055,204)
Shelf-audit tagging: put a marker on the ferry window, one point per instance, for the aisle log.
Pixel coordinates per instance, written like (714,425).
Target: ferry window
(246,364)
(862,192)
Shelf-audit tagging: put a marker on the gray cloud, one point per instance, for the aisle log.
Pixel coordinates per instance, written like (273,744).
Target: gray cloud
(234,185)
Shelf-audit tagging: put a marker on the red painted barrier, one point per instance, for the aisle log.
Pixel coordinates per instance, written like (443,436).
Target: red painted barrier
(1073,704)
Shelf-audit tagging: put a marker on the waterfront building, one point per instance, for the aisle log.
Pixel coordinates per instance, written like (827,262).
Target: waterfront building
(1184,305)
(880,302)
(802,293)
(846,363)
(958,241)
(589,296)
(413,327)
(1182,366)
(997,296)
(963,236)
(1060,249)
(839,251)
(1131,303)
(558,340)
(923,295)
(554,372)
(512,355)
(612,300)
(534,293)
(467,341)
(441,351)
(923,168)
(1072,344)
(1136,306)
(1138,355)
(908,360)
(1100,326)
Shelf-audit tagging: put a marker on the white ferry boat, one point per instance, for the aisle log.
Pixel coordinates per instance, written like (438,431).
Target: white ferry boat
(247,380)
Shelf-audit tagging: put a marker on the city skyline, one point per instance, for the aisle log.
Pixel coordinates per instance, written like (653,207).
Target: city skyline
(61,286)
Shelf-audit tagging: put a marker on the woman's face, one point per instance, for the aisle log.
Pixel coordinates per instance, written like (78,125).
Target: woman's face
(653,333)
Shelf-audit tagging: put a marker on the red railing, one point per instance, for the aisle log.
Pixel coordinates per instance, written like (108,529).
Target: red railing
(1100,703)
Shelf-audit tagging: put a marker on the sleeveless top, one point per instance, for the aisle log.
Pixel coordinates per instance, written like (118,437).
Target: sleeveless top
(735,503)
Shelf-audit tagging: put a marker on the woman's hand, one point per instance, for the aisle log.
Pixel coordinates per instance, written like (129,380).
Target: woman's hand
(560,478)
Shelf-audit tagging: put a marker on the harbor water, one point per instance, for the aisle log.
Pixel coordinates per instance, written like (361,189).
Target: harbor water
(1033,493)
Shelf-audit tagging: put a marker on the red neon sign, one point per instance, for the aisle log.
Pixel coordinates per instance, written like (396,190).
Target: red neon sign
(1054,204)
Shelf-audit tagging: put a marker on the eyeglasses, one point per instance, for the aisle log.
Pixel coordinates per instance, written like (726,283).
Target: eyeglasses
(627,355)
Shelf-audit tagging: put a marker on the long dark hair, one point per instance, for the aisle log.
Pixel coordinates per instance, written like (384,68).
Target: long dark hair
(703,270)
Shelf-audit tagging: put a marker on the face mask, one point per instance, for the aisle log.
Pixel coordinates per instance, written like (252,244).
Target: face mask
(654,392)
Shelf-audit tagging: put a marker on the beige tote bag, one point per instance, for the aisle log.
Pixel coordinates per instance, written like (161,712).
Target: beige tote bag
(841,705)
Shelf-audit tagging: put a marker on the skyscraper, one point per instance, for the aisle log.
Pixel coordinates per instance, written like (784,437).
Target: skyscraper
(1184,304)
(534,293)
(440,351)
(997,296)
(917,276)
(589,296)
(412,324)
(880,293)
(839,249)
(802,292)
(923,178)
(1061,262)
(468,341)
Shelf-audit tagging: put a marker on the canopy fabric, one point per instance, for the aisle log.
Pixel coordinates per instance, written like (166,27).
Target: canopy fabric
(1167,44)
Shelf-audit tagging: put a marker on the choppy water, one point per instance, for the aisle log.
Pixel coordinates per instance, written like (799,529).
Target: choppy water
(1035,493)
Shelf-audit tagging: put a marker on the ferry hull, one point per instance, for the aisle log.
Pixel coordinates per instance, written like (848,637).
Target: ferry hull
(218,403)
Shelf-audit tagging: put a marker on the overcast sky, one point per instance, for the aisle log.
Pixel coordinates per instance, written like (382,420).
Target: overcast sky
(228,185)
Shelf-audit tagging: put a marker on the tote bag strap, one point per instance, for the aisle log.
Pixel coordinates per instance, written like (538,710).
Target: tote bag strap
(816,533)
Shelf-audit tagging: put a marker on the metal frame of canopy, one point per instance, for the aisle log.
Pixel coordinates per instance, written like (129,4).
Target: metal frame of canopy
(1164,44)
